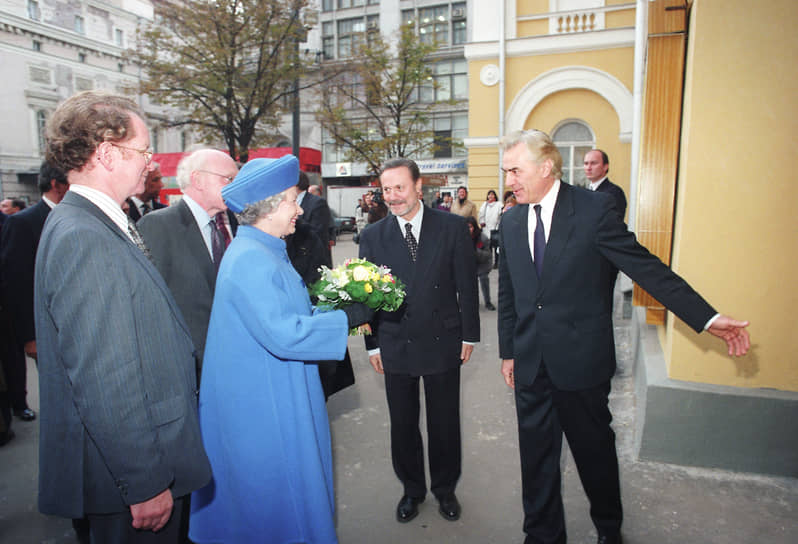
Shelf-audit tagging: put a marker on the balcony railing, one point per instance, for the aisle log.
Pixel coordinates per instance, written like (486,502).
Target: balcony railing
(573,21)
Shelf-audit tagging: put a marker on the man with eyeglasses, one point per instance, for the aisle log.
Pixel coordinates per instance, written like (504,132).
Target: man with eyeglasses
(119,433)
(143,203)
(187,239)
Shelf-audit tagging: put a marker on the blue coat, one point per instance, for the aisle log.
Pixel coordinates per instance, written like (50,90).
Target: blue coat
(262,413)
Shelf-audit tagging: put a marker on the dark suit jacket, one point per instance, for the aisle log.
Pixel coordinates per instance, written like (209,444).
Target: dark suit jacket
(117,379)
(565,318)
(317,213)
(441,307)
(134,212)
(18,244)
(181,256)
(617,193)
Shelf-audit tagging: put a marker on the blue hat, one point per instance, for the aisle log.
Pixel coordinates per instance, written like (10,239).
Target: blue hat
(259,179)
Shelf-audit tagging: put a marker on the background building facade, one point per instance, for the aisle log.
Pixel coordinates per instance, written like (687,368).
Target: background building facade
(693,103)
(50,50)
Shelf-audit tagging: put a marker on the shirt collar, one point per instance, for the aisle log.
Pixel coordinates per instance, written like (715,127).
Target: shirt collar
(415,222)
(48,202)
(106,204)
(550,199)
(300,197)
(594,186)
(200,216)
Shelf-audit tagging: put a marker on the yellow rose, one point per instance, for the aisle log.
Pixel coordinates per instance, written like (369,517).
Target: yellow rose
(367,288)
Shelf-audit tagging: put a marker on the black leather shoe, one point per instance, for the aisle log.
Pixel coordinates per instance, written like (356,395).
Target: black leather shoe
(607,539)
(490,306)
(449,507)
(25,415)
(407,508)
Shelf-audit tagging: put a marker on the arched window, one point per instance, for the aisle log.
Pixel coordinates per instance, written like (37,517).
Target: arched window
(574,139)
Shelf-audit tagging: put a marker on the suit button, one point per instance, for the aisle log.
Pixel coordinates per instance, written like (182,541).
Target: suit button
(540,306)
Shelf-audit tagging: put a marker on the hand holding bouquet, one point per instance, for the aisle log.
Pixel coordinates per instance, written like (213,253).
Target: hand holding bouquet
(358,280)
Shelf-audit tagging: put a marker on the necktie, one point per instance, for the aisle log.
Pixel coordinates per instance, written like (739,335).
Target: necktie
(145,208)
(539,248)
(217,244)
(137,239)
(220,225)
(412,245)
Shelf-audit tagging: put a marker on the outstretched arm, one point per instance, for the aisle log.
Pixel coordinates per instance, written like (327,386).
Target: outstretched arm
(733,332)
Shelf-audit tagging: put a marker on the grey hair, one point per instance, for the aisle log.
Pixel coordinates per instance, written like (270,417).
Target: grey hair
(253,212)
(539,146)
(188,164)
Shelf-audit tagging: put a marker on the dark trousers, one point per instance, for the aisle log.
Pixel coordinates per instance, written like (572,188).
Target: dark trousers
(14,364)
(484,284)
(544,414)
(442,396)
(118,528)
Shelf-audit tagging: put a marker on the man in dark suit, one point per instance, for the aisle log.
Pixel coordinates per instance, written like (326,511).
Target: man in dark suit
(119,434)
(18,244)
(555,330)
(430,336)
(597,166)
(181,237)
(146,201)
(316,212)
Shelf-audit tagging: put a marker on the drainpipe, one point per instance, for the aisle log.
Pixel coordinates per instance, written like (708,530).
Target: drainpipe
(502,46)
(641,41)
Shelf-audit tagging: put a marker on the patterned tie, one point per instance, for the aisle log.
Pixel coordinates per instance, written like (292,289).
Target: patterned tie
(137,239)
(539,248)
(217,244)
(220,224)
(412,245)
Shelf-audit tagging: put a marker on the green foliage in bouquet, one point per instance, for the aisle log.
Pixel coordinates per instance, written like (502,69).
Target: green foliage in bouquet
(358,280)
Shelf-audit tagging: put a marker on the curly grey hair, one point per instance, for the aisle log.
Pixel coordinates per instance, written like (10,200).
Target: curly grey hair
(253,212)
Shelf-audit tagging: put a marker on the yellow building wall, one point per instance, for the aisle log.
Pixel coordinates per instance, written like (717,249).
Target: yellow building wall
(736,231)
(581,104)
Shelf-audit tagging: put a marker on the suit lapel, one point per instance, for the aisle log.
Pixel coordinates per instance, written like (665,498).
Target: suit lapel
(562,226)
(196,244)
(89,207)
(516,240)
(430,230)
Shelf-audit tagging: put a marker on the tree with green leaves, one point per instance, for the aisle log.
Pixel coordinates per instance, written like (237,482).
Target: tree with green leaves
(227,65)
(372,109)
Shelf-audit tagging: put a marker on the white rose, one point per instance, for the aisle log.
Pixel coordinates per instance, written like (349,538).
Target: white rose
(360,273)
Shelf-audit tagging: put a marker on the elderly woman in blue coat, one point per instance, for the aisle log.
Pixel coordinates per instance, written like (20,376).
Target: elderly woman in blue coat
(262,411)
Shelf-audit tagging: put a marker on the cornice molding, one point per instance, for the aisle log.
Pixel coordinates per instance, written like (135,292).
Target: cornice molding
(554,44)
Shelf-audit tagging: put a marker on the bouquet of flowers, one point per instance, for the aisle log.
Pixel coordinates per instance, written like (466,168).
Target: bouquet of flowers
(358,280)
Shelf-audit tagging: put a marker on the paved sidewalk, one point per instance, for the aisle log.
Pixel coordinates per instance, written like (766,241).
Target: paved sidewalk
(663,504)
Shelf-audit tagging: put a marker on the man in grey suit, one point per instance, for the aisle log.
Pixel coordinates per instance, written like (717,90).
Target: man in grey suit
(119,433)
(181,237)
(431,335)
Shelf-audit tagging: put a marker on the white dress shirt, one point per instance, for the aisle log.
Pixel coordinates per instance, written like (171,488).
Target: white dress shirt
(106,204)
(546,213)
(203,222)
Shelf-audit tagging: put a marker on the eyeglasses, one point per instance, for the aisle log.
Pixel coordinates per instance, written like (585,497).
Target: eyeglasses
(146,153)
(228,178)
